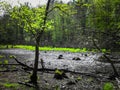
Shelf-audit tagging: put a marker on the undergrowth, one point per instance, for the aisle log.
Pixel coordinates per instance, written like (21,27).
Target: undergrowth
(29,47)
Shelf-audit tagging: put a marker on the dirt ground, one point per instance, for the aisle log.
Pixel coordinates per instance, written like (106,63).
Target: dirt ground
(12,75)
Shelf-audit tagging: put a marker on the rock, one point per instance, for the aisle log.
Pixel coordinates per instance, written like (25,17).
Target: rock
(60,56)
(70,83)
(76,58)
(45,51)
(86,55)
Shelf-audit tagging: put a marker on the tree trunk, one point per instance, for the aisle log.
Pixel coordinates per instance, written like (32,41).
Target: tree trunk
(34,75)
(38,36)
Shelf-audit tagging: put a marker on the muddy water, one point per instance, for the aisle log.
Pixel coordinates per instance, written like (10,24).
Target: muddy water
(88,61)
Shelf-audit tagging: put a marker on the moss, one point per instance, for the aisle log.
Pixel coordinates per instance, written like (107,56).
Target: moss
(108,86)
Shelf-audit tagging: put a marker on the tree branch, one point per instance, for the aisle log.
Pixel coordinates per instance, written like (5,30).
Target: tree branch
(22,64)
(108,59)
(57,8)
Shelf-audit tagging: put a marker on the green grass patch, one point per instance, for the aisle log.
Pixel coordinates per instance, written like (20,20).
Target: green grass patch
(13,86)
(29,47)
(5,46)
(51,48)
(10,85)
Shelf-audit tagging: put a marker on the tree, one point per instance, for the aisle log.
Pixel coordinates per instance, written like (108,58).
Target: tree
(6,26)
(105,21)
(34,21)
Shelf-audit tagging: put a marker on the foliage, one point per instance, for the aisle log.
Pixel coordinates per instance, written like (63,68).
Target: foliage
(58,72)
(10,85)
(108,86)
(105,20)
(51,48)
(57,87)
(30,18)
(79,78)
(5,61)
(2,56)
(13,86)
(68,25)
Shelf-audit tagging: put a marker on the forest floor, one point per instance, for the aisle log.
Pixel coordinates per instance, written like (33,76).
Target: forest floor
(94,70)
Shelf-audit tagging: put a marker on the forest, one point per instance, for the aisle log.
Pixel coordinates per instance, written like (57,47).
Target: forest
(74,45)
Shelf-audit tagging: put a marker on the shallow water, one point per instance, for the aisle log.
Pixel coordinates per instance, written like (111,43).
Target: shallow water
(87,63)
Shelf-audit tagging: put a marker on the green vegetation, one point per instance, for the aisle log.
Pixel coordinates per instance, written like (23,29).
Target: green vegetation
(51,48)
(79,78)
(5,61)
(58,72)
(2,56)
(10,85)
(13,86)
(108,86)
(29,47)
(70,25)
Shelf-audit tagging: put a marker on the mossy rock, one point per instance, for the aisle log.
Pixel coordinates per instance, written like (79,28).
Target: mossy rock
(60,74)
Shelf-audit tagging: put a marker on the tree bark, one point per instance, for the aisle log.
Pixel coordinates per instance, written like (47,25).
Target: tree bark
(34,75)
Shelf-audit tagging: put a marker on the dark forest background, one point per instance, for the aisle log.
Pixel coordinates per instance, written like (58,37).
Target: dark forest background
(74,24)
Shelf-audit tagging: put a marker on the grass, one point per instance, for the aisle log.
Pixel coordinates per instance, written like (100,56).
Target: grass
(51,48)
(28,47)
(14,86)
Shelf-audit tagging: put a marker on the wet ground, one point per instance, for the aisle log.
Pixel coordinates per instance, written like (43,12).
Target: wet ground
(85,62)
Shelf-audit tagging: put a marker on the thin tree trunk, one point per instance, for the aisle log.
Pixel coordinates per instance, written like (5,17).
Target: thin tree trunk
(38,36)
(34,75)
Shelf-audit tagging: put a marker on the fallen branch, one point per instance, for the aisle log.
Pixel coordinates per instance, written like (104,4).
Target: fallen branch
(9,70)
(53,70)
(22,64)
